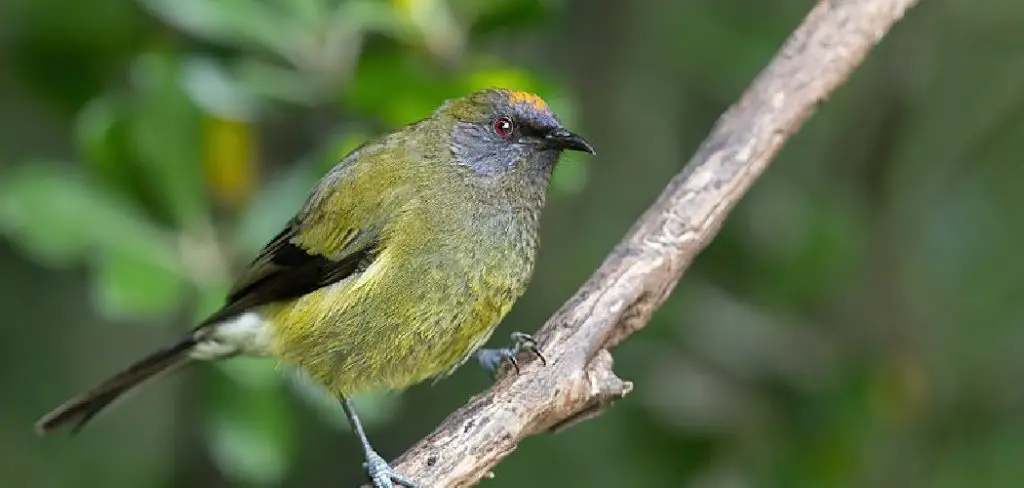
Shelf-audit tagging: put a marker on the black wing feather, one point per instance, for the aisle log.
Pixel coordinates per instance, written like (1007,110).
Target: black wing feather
(285,271)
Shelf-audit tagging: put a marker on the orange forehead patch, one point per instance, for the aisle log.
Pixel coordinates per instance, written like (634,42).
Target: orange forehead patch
(535,102)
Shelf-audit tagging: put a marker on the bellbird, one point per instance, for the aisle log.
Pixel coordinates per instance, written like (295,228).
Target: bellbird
(396,269)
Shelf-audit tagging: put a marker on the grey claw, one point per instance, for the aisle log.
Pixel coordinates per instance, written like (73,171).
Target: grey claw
(526,342)
(511,358)
(491,359)
(536,352)
(383,475)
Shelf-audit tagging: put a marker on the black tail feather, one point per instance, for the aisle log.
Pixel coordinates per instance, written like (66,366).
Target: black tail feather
(82,408)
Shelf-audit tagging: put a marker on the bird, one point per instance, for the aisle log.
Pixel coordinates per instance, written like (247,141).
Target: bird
(397,267)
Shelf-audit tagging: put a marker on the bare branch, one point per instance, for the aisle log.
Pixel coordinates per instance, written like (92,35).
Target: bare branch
(578,382)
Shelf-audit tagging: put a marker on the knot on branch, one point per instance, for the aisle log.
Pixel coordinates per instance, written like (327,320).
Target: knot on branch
(603,388)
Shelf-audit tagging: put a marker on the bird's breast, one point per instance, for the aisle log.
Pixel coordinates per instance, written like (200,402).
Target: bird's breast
(432,296)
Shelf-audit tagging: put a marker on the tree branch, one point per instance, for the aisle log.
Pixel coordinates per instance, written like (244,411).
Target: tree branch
(638,275)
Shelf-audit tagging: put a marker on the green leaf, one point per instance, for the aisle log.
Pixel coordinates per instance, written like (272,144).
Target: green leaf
(434,26)
(127,286)
(60,215)
(275,82)
(366,15)
(165,130)
(96,128)
(250,437)
(216,91)
(244,23)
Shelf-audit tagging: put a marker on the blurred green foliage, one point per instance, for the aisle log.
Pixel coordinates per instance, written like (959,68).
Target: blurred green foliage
(856,323)
(159,205)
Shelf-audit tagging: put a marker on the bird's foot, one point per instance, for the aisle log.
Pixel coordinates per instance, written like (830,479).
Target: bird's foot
(491,359)
(383,475)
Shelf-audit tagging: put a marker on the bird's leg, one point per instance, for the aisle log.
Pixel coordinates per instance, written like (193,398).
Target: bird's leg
(379,471)
(491,359)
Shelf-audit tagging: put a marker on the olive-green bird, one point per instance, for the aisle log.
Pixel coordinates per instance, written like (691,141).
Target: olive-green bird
(396,269)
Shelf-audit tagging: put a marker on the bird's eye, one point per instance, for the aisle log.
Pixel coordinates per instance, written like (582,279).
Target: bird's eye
(503,126)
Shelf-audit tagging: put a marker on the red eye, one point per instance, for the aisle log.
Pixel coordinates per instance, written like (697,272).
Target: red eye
(503,126)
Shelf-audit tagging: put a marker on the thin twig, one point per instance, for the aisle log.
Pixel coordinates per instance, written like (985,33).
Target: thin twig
(578,382)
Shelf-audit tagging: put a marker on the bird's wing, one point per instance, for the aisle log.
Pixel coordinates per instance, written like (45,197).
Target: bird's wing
(285,270)
(335,234)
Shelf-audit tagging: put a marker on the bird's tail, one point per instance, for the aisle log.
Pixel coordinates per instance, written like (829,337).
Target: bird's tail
(82,408)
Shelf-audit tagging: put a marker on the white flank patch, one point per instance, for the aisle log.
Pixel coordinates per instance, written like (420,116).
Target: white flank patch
(246,334)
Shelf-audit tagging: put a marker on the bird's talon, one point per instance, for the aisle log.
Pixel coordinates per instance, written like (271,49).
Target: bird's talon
(536,352)
(526,342)
(511,358)
(383,475)
(491,359)
(524,339)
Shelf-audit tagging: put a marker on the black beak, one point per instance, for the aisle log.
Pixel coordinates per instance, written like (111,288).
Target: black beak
(564,139)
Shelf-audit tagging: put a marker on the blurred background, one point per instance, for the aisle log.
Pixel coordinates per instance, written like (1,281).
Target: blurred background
(858,322)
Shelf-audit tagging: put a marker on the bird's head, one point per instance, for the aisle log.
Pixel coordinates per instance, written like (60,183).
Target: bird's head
(499,130)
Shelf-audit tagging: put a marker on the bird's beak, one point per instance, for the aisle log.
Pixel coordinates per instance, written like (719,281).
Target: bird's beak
(565,139)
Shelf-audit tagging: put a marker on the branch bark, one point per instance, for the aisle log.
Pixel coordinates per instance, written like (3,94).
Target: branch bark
(618,300)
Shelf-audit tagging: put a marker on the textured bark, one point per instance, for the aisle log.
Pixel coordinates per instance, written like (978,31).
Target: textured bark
(618,300)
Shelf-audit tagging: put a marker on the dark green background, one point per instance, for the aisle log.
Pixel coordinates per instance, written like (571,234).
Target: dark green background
(859,322)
